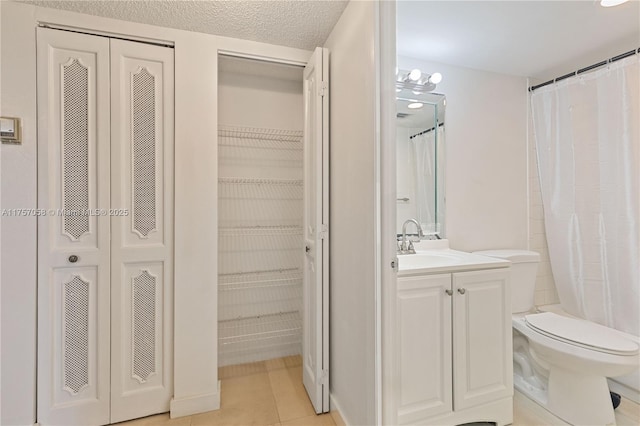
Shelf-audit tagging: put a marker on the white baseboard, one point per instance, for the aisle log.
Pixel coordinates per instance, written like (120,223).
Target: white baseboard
(336,412)
(195,404)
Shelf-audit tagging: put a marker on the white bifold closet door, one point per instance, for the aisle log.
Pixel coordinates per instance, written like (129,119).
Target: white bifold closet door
(142,241)
(105,263)
(315,292)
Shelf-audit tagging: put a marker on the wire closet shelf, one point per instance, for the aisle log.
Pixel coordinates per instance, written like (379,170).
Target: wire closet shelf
(259,243)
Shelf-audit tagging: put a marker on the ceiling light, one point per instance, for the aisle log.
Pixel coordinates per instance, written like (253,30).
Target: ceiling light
(415,75)
(435,78)
(415,105)
(610,3)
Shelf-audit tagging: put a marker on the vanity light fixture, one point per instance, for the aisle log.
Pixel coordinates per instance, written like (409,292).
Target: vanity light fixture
(611,3)
(415,105)
(417,81)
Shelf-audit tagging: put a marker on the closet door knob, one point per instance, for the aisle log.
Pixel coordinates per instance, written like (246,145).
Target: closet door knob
(307,249)
(73,258)
(449,291)
(461,290)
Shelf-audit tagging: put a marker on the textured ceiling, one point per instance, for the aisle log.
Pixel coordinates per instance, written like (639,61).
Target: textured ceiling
(302,24)
(538,39)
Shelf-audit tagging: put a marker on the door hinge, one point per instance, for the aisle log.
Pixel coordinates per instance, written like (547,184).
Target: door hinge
(322,91)
(324,232)
(324,377)
(394,264)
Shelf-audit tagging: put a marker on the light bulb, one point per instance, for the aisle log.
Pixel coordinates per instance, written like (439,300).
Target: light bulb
(415,75)
(415,105)
(610,3)
(435,78)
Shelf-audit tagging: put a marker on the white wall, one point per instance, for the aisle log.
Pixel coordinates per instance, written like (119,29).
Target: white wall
(353,228)
(492,173)
(196,200)
(195,326)
(263,101)
(486,156)
(18,241)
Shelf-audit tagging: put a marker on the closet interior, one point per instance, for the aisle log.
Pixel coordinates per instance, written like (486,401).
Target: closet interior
(260,208)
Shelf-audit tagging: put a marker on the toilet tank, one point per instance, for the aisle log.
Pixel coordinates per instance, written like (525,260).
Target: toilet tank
(524,267)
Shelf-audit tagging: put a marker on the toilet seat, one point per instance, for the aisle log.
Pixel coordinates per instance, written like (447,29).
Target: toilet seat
(581,333)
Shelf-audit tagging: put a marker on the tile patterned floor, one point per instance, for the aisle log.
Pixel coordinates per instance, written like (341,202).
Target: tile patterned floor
(528,413)
(260,393)
(271,393)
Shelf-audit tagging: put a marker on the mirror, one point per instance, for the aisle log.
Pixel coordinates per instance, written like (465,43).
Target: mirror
(420,160)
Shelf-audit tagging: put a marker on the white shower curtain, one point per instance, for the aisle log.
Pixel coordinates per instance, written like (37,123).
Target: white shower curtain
(423,164)
(588,144)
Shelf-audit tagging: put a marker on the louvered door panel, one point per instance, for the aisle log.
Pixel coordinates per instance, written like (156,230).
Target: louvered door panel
(73,237)
(142,245)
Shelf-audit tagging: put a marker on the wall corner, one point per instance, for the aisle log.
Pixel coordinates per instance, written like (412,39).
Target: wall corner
(196,404)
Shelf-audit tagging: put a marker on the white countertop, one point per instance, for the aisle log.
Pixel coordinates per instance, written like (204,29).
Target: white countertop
(436,257)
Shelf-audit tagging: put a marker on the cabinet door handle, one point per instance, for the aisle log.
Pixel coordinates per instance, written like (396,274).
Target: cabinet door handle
(449,291)
(461,290)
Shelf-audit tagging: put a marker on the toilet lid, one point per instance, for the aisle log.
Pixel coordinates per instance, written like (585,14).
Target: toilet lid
(581,333)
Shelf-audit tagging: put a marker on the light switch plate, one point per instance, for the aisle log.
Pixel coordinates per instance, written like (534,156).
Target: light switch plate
(10,130)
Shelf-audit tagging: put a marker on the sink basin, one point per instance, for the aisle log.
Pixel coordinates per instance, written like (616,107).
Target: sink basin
(429,259)
(443,259)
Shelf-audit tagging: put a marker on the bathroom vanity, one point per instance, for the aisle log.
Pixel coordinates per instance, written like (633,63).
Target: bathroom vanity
(453,329)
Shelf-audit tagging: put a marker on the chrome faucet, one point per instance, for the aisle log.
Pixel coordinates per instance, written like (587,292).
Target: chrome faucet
(406,246)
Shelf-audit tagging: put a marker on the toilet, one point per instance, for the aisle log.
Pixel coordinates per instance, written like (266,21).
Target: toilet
(562,362)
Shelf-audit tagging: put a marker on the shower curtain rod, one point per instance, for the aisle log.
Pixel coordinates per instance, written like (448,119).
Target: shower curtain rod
(426,131)
(583,70)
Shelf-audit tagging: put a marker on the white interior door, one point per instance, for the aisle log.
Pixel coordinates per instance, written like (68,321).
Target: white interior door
(73,246)
(141,229)
(315,340)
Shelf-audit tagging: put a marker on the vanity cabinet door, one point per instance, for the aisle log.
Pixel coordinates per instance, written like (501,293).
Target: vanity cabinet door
(482,337)
(424,361)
